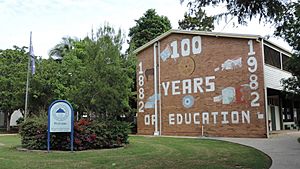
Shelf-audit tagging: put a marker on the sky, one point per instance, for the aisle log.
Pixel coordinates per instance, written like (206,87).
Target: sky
(50,20)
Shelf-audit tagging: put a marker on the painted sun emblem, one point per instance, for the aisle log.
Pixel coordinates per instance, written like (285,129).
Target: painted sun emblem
(187,65)
(188,101)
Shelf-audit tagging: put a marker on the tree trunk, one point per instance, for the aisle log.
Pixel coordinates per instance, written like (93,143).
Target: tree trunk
(5,119)
(8,121)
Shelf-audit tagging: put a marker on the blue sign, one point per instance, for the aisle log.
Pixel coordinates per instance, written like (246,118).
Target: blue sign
(60,119)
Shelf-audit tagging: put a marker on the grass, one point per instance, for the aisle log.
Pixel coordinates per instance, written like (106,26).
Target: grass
(142,152)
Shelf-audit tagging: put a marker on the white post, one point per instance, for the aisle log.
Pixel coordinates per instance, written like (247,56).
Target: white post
(159,90)
(265,89)
(156,132)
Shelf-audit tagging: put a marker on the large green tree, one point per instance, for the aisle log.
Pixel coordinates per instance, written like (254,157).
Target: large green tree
(147,27)
(284,15)
(196,20)
(105,79)
(13,69)
(53,80)
(91,75)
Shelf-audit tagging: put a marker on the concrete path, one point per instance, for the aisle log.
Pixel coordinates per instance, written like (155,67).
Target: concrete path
(283,148)
(8,134)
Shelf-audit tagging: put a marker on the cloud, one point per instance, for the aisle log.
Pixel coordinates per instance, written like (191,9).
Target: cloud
(50,20)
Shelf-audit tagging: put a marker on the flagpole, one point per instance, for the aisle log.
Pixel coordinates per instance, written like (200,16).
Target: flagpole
(27,81)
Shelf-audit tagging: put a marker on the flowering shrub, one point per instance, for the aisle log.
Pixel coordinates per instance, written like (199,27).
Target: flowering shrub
(33,132)
(87,134)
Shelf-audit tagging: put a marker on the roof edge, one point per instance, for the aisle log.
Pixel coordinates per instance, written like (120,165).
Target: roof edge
(153,41)
(217,34)
(290,52)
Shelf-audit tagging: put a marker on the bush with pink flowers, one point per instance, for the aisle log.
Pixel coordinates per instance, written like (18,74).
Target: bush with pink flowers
(87,134)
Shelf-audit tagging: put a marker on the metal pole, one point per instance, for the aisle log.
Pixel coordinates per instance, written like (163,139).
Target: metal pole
(72,129)
(159,90)
(27,82)
(156,133)
(48,139)
(48,131)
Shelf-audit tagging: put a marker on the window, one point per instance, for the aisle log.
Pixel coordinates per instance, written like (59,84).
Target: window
(272,57)
(287,111)
(285,58)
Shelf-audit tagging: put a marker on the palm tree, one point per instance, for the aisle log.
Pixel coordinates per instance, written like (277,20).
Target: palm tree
(65,46)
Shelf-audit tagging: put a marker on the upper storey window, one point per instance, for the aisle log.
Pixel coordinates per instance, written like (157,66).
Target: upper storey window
(272,57)
(285,58)
(275,58)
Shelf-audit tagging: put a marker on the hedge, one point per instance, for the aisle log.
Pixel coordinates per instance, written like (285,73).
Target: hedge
(87,134)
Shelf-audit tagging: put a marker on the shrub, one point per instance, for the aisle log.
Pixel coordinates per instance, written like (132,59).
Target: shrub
(33,132)
(87,134)
(20,120)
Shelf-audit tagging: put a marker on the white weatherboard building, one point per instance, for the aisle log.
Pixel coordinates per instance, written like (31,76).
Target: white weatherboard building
(283,110)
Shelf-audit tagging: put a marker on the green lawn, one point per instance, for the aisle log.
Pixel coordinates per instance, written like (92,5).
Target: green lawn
(142,152)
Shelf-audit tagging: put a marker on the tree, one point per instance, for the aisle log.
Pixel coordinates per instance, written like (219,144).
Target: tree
(265,10)
(59,50)
(53,80)
(197,20)
(13,70)
(91,75)
(42,86)
(285,16)
(105,85)
(289,29)
(147,27)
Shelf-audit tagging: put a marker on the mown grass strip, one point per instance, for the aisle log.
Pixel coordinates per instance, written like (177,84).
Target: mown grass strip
(142,152)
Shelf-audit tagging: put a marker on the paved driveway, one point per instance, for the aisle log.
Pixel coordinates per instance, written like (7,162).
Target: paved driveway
(283,148)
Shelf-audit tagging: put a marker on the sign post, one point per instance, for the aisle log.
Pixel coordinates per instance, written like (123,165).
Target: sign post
(60,119)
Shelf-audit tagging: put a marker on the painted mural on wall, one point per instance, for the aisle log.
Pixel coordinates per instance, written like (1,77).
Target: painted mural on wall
(195,87)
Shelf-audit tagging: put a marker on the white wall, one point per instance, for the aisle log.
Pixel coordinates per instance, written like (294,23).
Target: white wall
(14,117)
(273,77)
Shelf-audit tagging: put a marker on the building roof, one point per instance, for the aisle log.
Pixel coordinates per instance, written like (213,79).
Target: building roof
(216,34)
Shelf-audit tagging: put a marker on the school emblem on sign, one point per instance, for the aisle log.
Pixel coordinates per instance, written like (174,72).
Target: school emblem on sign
(60,116)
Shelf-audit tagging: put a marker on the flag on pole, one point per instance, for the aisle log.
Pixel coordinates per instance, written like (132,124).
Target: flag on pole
(32,56)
